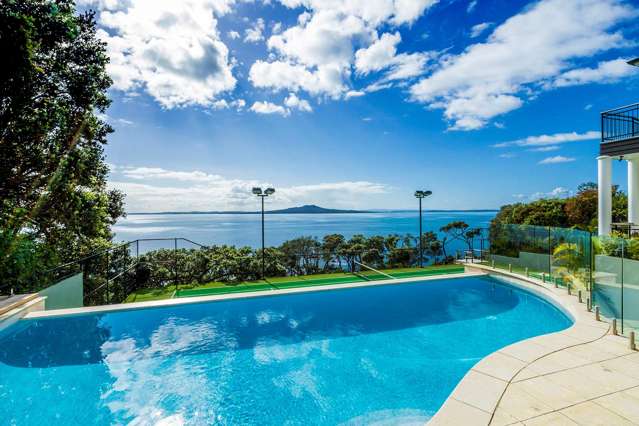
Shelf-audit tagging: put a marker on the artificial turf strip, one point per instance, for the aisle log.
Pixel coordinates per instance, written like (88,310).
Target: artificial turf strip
(310,282)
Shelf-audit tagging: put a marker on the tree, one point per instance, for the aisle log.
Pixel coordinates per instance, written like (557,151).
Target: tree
(578,211)
(330,249)
(453,231)
(301,255)
(431,245)
(53,88)
(581,210)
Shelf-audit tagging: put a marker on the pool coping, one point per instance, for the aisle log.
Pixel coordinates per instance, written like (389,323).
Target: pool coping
(236,296)
(476,397)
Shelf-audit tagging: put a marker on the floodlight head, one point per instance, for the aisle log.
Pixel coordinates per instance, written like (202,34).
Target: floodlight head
(419,194)
(257,191)
(634,62)
(269,191)
(427,193)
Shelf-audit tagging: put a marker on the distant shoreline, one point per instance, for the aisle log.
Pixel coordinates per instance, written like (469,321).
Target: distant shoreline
(319,212)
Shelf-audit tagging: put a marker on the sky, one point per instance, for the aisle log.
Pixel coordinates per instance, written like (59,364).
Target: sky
(356,104)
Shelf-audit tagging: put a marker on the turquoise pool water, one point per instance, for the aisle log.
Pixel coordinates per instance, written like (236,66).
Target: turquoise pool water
(382,354)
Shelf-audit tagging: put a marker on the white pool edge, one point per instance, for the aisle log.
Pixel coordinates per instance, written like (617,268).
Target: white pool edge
(238,296)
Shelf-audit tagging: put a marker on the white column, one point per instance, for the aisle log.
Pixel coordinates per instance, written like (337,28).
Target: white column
(604,216)
(633,190)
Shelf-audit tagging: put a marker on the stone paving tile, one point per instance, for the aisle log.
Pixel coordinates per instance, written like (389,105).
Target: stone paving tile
(552,363)
(457,413)
(591,353)
(591,414)
(557,341)
(525,351)
(500,366)
(502,418)
(548,392)
(612,344)
(607,378)
(554,419)
(587,333)
(525,374)
(578,383)
(624,365)
(633,392)
(522,405)
(479,390)
(624,404)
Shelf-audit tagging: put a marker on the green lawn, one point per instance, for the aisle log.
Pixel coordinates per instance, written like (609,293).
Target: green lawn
(275,283)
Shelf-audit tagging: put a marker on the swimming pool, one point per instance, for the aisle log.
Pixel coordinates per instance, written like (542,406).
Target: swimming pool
(379,354)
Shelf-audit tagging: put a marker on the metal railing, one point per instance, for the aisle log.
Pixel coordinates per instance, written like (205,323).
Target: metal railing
(620,123)
(111,275)
(105,271)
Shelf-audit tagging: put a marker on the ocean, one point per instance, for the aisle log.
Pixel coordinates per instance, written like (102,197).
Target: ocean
(245,230)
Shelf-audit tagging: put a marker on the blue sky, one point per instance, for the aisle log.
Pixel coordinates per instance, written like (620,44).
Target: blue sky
(356,104)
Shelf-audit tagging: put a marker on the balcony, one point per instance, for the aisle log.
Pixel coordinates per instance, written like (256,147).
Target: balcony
(620,131)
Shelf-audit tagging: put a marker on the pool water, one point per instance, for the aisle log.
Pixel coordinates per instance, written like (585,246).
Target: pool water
(372,355)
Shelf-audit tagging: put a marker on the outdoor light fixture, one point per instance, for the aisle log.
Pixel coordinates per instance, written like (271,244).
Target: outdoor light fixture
(634,62)
(420,195)
(258,191)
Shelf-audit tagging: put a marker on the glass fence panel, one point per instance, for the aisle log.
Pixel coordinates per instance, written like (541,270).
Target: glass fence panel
(570,258)
(630,288)
(520,248)
(608,276)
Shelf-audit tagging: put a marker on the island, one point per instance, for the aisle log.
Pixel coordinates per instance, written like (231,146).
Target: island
(306,209)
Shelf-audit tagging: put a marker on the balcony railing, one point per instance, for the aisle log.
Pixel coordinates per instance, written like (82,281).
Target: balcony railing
(620,124)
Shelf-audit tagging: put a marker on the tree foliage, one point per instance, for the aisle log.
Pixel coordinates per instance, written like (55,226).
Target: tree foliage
(578,211)
(296,257)
(55,204)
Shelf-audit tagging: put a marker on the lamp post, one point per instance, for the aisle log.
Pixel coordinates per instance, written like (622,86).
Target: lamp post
(262,195)
(420,195)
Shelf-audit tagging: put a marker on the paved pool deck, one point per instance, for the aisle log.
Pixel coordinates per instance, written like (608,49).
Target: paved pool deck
(580,376)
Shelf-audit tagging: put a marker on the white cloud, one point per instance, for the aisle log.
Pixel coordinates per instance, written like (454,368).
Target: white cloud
(507,155)
(557,159)
(605,72)
(293,102)
(277,28)
(233,35)
(157,189)
(255,33)
(545,148)
(318,53)
(284,75)
(471,6)
(554,139)
(171,50)
(378,55)
(520,55)
(396,12)
(354,94)
(558,192)
(265,107)
(382,54)
(478,29)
